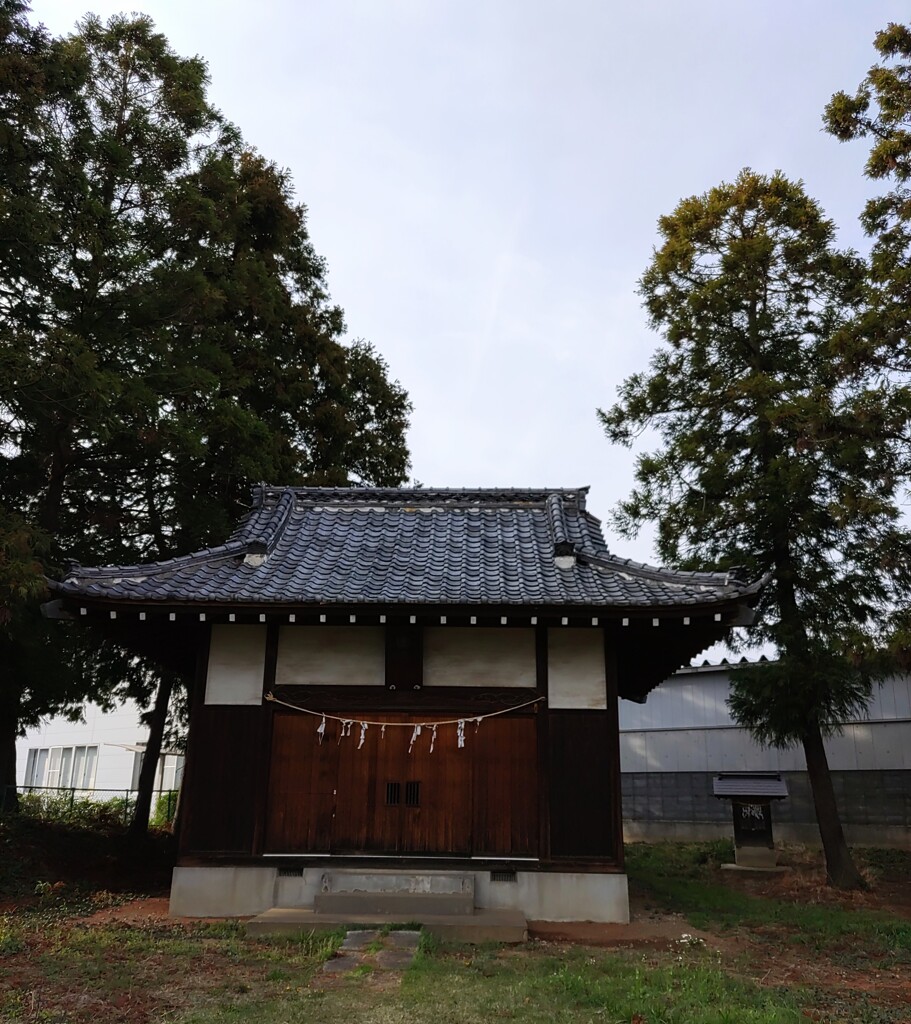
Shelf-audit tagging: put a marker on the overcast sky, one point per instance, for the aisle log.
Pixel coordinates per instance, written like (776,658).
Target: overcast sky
(484,180)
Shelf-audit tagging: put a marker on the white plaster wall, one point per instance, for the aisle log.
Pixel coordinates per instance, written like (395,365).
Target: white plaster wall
(479,656)
(576,676)
(237,660)
(331,656)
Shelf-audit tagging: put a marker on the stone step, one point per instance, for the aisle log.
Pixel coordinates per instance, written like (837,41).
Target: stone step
(401,905)
(482,926)
(353,880)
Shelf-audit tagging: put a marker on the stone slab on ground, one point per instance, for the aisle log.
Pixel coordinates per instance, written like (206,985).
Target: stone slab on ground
(359,939)
(394,959)
(756,869)
(482,926)
(397,951)
(341,964)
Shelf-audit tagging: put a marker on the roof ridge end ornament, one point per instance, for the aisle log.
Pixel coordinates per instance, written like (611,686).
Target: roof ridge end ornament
(564,548)
(257,549)
(565,555)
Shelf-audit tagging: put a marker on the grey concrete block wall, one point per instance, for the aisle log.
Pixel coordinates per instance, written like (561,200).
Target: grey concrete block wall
(866,798)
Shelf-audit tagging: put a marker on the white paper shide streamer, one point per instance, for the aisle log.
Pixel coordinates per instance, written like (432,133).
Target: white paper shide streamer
(417,728)
(417,732)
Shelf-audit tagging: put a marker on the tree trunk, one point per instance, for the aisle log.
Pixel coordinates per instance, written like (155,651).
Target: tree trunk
(140,823)
(840,868)
(9,730)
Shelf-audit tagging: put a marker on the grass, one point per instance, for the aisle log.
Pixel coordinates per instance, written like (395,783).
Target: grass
(63,970)
(581,984)
(454,985)
(58,968)
(680,877)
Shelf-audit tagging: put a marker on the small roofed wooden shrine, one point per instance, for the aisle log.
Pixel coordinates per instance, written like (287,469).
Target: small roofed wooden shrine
(418,680)
(751,795)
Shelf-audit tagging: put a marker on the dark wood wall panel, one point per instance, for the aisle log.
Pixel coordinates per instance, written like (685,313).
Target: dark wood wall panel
(581,766)
(221,793)
(505,754)
(404,657)
(302,784)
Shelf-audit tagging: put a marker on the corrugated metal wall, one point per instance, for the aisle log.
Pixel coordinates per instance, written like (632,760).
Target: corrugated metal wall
(672,745)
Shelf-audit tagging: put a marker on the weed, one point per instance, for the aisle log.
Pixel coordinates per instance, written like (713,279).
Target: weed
(428,944)
(11,940)
(320,945)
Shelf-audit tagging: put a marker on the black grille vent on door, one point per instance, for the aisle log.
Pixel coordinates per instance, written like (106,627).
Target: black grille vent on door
(412,794)
(393,793)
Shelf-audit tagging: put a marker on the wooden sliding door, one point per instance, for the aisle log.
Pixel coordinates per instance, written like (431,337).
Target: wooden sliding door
(344,796)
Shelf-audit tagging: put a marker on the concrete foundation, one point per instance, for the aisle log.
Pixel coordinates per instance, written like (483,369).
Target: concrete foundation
(893,836)
(755,856)
(539,895)
(222,891)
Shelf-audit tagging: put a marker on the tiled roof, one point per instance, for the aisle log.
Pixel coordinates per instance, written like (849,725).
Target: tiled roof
(350,546)
(750,784)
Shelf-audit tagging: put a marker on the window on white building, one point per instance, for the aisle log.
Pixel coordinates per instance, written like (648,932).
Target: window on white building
(64,767)
(170,770)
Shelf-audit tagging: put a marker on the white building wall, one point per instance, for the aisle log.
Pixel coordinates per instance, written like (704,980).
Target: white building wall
(685,725)
(107,730)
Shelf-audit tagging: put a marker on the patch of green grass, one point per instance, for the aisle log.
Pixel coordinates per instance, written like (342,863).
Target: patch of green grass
(680,878)
(318,945)
(885,863)
(676,860)
(461,985)
(219,929)
(428,946)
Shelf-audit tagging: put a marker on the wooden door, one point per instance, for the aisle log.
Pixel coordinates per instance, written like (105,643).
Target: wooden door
(437,797)
(345,797)
(394,800)
(365,820)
